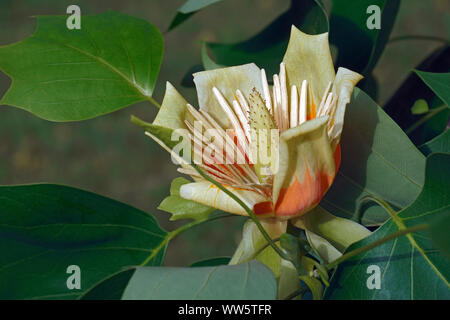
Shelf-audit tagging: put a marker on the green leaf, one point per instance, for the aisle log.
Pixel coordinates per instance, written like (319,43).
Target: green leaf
(45,228)
(439,144)
(249,281)
(212,262)
(439,232)
(181,208)
(438,82)
(110,288)
(420,107)
(267,48)
(59,74)
(377,159)
(359,47)
(188,9)
(410,266)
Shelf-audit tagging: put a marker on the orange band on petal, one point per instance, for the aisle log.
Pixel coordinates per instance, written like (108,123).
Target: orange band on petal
(299,197)
(312,111)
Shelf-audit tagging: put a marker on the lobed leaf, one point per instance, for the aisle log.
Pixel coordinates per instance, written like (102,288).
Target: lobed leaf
(59,74)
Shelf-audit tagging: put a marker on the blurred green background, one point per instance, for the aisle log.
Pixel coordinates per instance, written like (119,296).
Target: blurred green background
(110,156)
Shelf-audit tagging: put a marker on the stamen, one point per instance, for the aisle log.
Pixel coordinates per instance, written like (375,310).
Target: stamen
(243,102)
(332,114)
(267,97)
(229,112)
(303,100)
(324,97)
(294,106)
(206,119)
(284,97)
(233,147)
(228,141)
(327,105)
(277,101)
(189,171)
(243,120)
(197,115)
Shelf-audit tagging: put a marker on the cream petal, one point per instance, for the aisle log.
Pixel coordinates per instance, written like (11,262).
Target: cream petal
(173,110)
(308,58)
(323,248)
(340,232)
(210,195)
(343,86)
(227,80)
(253,242)
(306,168)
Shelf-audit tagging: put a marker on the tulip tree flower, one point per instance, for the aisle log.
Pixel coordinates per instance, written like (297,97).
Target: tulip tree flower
(306,105)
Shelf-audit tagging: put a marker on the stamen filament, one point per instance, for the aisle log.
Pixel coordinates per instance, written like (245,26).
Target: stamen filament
(303,101)
(266,90)
(294,106)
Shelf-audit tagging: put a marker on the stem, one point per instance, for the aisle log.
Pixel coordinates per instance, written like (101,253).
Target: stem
(154,102)
(372,245)
(247,209)
(172,234)
(427,117)
(418,37)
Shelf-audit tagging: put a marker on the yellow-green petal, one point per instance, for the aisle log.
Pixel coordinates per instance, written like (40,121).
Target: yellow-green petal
(340,232)
(253,241)
(322,247)
(343,86)
(173,110)
(308,58)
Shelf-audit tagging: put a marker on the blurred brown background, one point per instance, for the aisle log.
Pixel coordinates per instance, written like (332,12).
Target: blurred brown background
(109,156)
